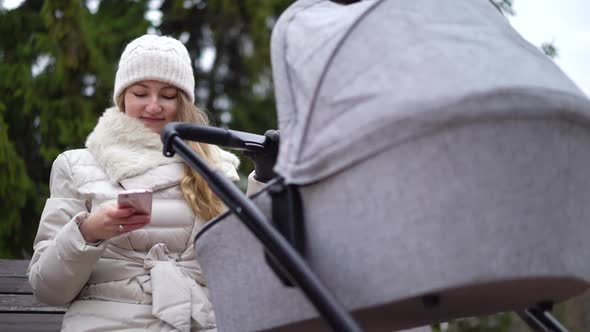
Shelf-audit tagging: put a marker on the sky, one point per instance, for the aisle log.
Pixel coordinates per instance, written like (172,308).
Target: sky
(564,23)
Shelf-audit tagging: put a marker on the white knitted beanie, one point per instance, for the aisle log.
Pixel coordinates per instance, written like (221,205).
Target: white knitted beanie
(158,58)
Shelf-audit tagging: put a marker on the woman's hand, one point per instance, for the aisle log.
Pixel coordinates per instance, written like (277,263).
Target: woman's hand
(109,221)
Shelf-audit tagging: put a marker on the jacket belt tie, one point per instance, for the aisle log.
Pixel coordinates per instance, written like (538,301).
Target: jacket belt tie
(176,298)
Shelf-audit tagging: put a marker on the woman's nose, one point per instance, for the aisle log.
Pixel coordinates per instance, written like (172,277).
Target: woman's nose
(153,105)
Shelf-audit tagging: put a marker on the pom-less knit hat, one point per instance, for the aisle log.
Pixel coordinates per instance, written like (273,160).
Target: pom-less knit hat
(159,58)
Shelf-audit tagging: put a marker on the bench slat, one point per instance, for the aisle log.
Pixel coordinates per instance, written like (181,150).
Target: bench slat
(13,268)
(19,309)
(15,285)
(25,303)
(30,322)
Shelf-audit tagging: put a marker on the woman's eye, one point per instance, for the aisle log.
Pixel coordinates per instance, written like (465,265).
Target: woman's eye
(169,97)
(139,94)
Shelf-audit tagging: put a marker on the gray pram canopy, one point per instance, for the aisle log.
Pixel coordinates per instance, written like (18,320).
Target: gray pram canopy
(436,153)
(351,81)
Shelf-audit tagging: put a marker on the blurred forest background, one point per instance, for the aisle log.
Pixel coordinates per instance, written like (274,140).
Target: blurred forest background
(57,66)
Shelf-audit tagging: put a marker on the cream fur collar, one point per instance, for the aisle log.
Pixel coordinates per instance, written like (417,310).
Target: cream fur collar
(124,148)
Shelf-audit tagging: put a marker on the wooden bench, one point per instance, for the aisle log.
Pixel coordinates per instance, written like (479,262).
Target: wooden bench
(19,310)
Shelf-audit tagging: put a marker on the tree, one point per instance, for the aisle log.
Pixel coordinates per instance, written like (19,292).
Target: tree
(235,86)
(507,7)
(56,71)
(550,50)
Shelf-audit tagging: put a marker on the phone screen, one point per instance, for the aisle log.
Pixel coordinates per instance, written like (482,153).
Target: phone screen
(140,200)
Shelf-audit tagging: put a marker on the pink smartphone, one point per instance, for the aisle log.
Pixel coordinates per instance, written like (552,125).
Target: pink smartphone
(140,199)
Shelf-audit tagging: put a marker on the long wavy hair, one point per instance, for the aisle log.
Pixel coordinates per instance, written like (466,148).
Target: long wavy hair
(196,191)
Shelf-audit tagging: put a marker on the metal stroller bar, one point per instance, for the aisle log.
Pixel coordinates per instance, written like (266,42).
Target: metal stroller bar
(539,318)
(237,140)
(291,262)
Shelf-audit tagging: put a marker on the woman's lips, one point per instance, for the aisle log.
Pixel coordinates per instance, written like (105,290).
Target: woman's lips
(151,119)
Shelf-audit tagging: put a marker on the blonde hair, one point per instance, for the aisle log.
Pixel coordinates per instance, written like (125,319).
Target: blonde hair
(195,189)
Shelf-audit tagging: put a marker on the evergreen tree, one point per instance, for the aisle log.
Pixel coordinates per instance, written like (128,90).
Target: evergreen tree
(236,88)
(56,73)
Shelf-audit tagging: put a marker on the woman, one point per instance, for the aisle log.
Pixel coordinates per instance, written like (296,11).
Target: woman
(121,270)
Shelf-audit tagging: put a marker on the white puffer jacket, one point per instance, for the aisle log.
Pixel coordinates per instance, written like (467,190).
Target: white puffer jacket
(147,279)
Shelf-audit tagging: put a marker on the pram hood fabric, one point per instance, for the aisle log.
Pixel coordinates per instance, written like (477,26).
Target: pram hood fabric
(410,129)
(354,80)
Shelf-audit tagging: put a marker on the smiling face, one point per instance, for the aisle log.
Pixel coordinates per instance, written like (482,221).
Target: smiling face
(154,103)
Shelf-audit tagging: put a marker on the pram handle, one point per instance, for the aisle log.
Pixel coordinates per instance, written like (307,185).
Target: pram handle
(234,139)
(276,245)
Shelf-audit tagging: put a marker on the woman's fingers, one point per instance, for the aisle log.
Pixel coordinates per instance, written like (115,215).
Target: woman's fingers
(135,219)
(126,228)
(131,223)
(120,212)
(110,221)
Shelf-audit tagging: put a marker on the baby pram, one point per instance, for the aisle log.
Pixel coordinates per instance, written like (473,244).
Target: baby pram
(432,165)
